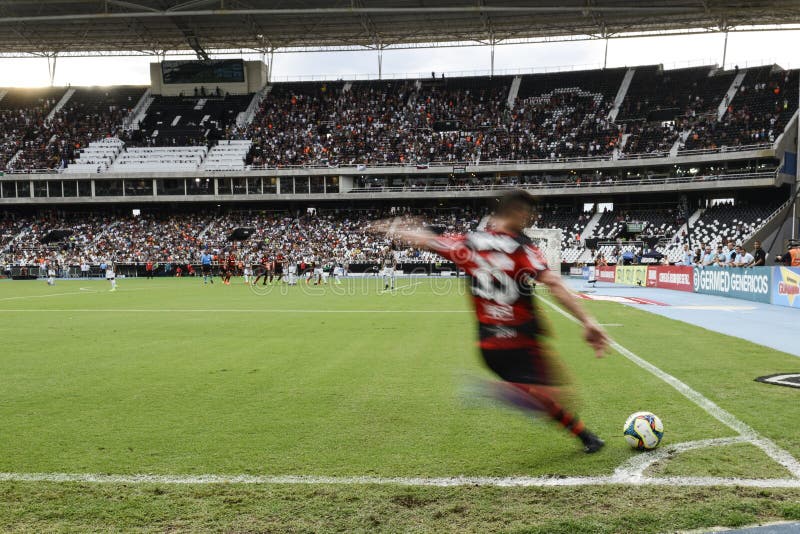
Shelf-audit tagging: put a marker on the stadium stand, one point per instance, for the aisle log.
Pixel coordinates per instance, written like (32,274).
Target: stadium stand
(159,159)
(91,115)
(23,132)
(758,112)
(724,222)
(97,156)
(183,120)
(660,105)
(228,155)
(338,234)
(537,117)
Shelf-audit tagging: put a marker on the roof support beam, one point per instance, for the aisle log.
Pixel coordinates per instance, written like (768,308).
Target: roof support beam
(131,5)
(150,13)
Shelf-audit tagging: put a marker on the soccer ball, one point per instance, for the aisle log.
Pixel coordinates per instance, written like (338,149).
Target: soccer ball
(643,431)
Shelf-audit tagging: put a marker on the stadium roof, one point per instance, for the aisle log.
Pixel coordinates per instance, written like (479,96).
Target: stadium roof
(87,27)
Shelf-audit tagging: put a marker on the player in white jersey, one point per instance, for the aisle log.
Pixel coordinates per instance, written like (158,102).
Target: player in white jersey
(51,274)
(389,264)
(248,272)
(111,276)
(338,272)
(292,278)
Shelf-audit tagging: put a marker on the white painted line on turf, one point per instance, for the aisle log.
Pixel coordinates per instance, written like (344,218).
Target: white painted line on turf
(715,308)
(400,288)
(503,482)
(768,446)
(634,468)
(80,291)
(23,297)
(218,310)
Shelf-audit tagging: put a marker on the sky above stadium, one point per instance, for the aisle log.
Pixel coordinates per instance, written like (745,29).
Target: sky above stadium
(744,49)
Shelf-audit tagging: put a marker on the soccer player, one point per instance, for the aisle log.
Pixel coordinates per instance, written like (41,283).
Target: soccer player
(389,264)
(205,267)
(248,272)
(338,271)
(502,262)
(263,269)
(292,268)
(318,272)
(51,274)
(111,276)
(277,268)
(230,265)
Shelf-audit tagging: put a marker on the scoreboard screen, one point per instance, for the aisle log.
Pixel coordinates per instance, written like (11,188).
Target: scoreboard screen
(212,71)
(634,227)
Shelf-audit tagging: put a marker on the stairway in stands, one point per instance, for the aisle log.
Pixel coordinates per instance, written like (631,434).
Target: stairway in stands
(227,156)
(621,92)
(61,103)
(732,90)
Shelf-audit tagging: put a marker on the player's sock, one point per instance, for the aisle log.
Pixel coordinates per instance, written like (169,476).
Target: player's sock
(543,402)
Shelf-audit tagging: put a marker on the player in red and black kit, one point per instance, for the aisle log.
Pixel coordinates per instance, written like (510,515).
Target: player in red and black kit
(503,264)
(277,268)
(265,270)
(230,265)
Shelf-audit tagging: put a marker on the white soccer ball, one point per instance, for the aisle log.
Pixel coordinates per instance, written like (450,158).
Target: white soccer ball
(643,431)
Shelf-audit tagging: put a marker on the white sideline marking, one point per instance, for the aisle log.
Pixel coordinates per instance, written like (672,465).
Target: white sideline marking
(41,296)
(767,445)
(503,482)
(715,308)
(400,288)
(219,310)
(81,291)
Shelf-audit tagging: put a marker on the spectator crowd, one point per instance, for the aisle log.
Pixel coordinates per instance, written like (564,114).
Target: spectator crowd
(341,236)
(419,122)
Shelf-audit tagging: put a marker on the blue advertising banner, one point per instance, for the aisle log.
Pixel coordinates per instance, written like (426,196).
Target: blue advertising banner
(748,284)
(786,286)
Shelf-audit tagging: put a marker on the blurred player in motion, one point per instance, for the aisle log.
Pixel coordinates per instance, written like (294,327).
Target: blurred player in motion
(205,264)
(503,263)
(51,274)
(247,269)
(111,275)
(389,269)
(228,268)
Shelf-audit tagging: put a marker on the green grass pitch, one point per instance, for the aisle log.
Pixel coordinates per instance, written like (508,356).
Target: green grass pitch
(172,377)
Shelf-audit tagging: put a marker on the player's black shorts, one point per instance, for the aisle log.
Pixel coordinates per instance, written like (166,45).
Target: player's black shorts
(523,365)
(278,268)
(206,268)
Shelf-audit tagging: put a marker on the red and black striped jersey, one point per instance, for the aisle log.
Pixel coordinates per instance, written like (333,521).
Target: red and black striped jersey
(502,268)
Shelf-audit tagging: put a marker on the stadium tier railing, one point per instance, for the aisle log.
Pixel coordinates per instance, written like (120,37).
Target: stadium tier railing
(464,164)
(568,185)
